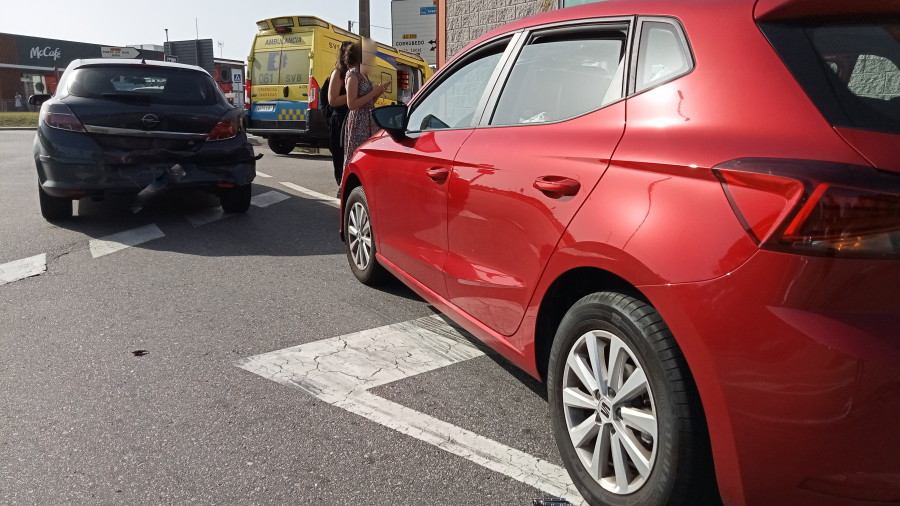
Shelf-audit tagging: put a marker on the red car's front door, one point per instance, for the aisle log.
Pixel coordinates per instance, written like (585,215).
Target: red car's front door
(411,180)
(410,201)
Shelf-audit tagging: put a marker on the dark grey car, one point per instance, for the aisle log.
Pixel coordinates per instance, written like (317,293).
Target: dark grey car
(139,127)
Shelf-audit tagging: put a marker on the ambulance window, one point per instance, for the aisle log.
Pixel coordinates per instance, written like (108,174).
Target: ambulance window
(295,66)
(266,67)
(561,74)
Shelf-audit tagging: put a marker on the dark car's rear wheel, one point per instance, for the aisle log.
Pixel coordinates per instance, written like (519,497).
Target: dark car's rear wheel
(54,208)
(360,240)
(281,145)
(236,199)
(625,412)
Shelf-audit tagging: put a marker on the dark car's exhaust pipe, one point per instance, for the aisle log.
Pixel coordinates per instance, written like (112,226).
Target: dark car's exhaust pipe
(172,175)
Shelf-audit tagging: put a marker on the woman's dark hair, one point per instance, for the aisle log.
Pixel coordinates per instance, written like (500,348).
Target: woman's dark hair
(349,56)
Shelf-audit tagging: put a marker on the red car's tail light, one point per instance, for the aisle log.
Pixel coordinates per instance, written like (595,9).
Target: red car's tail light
(60,116)
(227,128)
(815,208)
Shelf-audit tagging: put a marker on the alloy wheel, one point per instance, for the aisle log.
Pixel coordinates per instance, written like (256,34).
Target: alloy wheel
(609,411)
(359,230)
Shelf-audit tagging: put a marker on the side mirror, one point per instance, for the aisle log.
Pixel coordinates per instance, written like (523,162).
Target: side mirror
(393,119)
(38,100)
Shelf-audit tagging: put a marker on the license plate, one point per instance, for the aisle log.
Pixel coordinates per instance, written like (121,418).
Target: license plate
(265,108)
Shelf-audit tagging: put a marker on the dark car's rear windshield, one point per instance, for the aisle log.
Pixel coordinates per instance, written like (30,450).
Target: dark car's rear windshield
(850,70)
(157,85)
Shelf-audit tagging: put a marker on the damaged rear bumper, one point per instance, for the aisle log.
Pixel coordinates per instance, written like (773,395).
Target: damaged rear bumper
(79,172)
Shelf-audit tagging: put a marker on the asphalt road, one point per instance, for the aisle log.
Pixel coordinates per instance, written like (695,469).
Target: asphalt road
(120,377)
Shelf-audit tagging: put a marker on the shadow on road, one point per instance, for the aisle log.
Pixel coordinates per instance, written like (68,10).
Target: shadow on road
(295,226)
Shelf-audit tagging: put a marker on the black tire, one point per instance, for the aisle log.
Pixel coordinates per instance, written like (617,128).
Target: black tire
(669,461)
(236,199)
(360,240)
(54,208)
(281,145)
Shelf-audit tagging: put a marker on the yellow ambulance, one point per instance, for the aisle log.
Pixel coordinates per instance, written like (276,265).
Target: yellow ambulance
(290,59)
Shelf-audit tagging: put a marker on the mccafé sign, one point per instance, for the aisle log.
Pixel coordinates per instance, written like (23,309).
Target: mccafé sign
(39,52)
(45,52)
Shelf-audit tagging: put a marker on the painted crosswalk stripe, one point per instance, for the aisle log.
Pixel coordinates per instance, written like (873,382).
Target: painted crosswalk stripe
(343,369)
(262,174)
(206,216)
(126,239)
(24,268)
(314,194)
(268,198)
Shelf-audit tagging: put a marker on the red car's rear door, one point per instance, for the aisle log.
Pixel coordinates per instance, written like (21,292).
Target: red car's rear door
(518,181)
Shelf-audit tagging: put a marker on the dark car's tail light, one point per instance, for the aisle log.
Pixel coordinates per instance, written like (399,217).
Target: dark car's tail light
(227,128)
(60,116)
(816,208)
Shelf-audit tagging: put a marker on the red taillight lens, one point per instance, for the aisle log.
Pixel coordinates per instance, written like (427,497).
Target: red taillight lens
(247,95)
(815,207)
(313,93)
(60,116)
(227,128)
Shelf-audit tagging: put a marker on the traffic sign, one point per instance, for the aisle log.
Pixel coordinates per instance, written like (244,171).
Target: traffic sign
(119,52)
(415,27)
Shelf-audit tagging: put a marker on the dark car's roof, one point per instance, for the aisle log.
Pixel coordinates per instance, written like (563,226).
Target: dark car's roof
(130,62)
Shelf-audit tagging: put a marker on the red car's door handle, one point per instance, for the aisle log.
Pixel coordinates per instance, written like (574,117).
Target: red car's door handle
(557,186)
(438,174)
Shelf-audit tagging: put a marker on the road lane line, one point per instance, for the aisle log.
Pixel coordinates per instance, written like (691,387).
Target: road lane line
(262,174)
(341,370)
(314,194)
(24,268)
(126,239)
(206,216)
(268,198)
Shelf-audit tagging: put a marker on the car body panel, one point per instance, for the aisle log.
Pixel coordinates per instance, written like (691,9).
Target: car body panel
(794,356)
(501,229)
(416,242)
(787,373)
(880,149)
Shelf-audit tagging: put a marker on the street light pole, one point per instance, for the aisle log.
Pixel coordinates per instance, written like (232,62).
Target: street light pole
(364,18)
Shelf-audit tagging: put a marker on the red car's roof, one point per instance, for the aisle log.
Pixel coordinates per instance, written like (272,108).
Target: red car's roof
(619,8)
(760,9)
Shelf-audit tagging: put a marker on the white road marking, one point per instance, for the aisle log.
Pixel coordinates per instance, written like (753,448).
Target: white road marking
(262,174)
(268,198)
(342,369)
(206,216)
(24,268)
(126,239)
(314,194)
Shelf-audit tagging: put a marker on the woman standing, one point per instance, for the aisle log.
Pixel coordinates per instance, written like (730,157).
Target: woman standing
(337,99)
(361,96)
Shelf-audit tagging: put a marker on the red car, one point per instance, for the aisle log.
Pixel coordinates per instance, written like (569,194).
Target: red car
(685,217)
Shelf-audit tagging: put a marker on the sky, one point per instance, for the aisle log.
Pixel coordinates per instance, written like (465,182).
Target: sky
(230,22)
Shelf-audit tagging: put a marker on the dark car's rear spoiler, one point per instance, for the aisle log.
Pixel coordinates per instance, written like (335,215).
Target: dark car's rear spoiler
(771,10)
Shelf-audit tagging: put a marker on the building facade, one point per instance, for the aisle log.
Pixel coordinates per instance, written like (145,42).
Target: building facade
(32,65)
(462,21)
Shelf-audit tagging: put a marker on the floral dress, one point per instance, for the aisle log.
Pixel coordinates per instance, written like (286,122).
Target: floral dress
(360,125)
